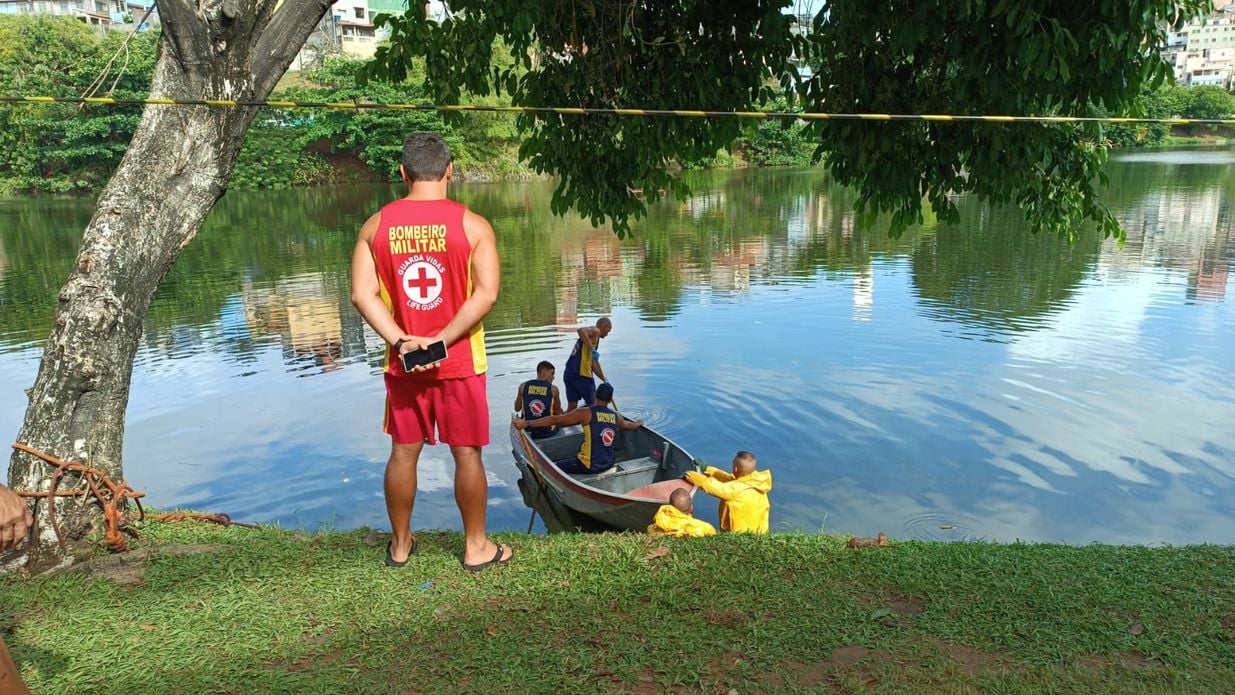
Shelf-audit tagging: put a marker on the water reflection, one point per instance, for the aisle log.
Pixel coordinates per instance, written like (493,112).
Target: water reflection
(974,376)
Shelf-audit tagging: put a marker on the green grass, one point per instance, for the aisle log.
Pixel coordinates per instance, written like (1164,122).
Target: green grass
(280,611)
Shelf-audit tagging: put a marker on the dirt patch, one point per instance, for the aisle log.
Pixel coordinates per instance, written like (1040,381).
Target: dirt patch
(973,661)
(905,605)
(346,165)
(864,661)
(1132,661)
(808,675)
(1228,624)
(729,619)
(130,568)
(645,684)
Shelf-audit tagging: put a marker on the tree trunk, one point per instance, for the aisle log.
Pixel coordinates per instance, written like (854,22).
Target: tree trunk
(177,166)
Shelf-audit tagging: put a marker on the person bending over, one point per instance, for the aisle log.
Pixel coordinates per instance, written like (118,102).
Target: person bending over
(584,361)
(743,494)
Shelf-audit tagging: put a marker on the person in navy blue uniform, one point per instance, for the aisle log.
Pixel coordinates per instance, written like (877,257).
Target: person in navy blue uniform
(600,428)
(539,398)
(583,365)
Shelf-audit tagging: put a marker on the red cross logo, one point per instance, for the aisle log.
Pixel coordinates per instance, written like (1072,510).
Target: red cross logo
(536,407)
(607,436)
(422,283)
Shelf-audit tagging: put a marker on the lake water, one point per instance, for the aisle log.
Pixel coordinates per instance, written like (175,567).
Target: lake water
(966,382)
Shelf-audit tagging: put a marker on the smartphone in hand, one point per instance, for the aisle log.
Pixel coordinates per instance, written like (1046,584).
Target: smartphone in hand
(435,352)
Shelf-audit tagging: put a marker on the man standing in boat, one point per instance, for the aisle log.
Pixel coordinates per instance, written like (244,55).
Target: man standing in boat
(538,398)
(600,428)
(584,361)
(425,270)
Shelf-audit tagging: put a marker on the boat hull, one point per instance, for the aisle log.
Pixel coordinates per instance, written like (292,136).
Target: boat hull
(649,468)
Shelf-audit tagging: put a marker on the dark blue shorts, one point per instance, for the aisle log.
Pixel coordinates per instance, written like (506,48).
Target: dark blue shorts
(574,465)
(580,388)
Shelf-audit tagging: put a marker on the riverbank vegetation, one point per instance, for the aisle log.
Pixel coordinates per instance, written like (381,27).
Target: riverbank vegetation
(65,148)
(280,611)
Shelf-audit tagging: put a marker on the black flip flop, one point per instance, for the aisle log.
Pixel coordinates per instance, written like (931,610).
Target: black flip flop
(495,562)
(390,558)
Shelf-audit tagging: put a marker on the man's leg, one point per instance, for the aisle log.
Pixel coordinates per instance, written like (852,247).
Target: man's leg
(400,488)
(572,394)
(10,682)
(472,496)
(587,390)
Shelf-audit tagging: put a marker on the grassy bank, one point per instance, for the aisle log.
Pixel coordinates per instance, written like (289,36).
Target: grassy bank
(278,611)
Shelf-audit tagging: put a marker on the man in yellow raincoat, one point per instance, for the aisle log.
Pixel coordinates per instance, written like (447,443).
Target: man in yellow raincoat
(743,494)
(675,519)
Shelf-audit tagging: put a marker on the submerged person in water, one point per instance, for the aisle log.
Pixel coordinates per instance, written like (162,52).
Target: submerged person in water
(677,518)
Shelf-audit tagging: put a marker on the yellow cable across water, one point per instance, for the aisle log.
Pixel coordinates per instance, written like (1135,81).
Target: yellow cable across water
(574,111)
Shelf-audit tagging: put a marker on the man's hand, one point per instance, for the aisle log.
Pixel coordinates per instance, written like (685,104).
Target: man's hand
(519,424)
(15,519)
(411,343)
(695,478)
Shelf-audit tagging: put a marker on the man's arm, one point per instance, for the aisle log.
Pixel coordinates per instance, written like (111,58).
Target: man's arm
(15,519)
(519,398)
(486,278)
(592,335)
(366,290)
(557,403)
(625,424)
(367,295)
(714,487)
(574,417)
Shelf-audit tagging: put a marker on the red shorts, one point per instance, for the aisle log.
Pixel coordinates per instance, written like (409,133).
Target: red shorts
(458,408)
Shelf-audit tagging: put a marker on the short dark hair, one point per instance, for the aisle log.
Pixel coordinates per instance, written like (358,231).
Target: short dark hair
(745,460)
(425,157)
(604,392)
(603,321)
(545,364)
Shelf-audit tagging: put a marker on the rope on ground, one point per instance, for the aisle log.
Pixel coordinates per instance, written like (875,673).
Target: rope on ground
(110,496)
(583,111)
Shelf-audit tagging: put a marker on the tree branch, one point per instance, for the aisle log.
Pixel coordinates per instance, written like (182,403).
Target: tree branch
(185,30)
(287,30)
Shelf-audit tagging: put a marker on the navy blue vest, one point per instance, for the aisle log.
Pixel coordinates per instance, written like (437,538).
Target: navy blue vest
(538,403)
(599,436)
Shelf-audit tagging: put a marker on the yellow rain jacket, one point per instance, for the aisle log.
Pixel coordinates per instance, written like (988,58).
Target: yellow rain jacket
(671,521)
(744,503)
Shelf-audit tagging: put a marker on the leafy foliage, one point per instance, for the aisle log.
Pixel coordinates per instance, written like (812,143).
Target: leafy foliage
(934,56)
(689,54)
(1207,101)
(63,147)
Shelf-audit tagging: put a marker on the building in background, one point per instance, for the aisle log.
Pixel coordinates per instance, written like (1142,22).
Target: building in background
(109,14)
(1202,52)
(349,30)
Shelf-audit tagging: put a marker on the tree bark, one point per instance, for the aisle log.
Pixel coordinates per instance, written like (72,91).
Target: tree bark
(177,166)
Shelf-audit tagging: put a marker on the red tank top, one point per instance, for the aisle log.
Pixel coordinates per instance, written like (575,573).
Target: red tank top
(424,265)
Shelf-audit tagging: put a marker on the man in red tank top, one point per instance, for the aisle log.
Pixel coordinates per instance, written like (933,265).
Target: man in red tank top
(426,269)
